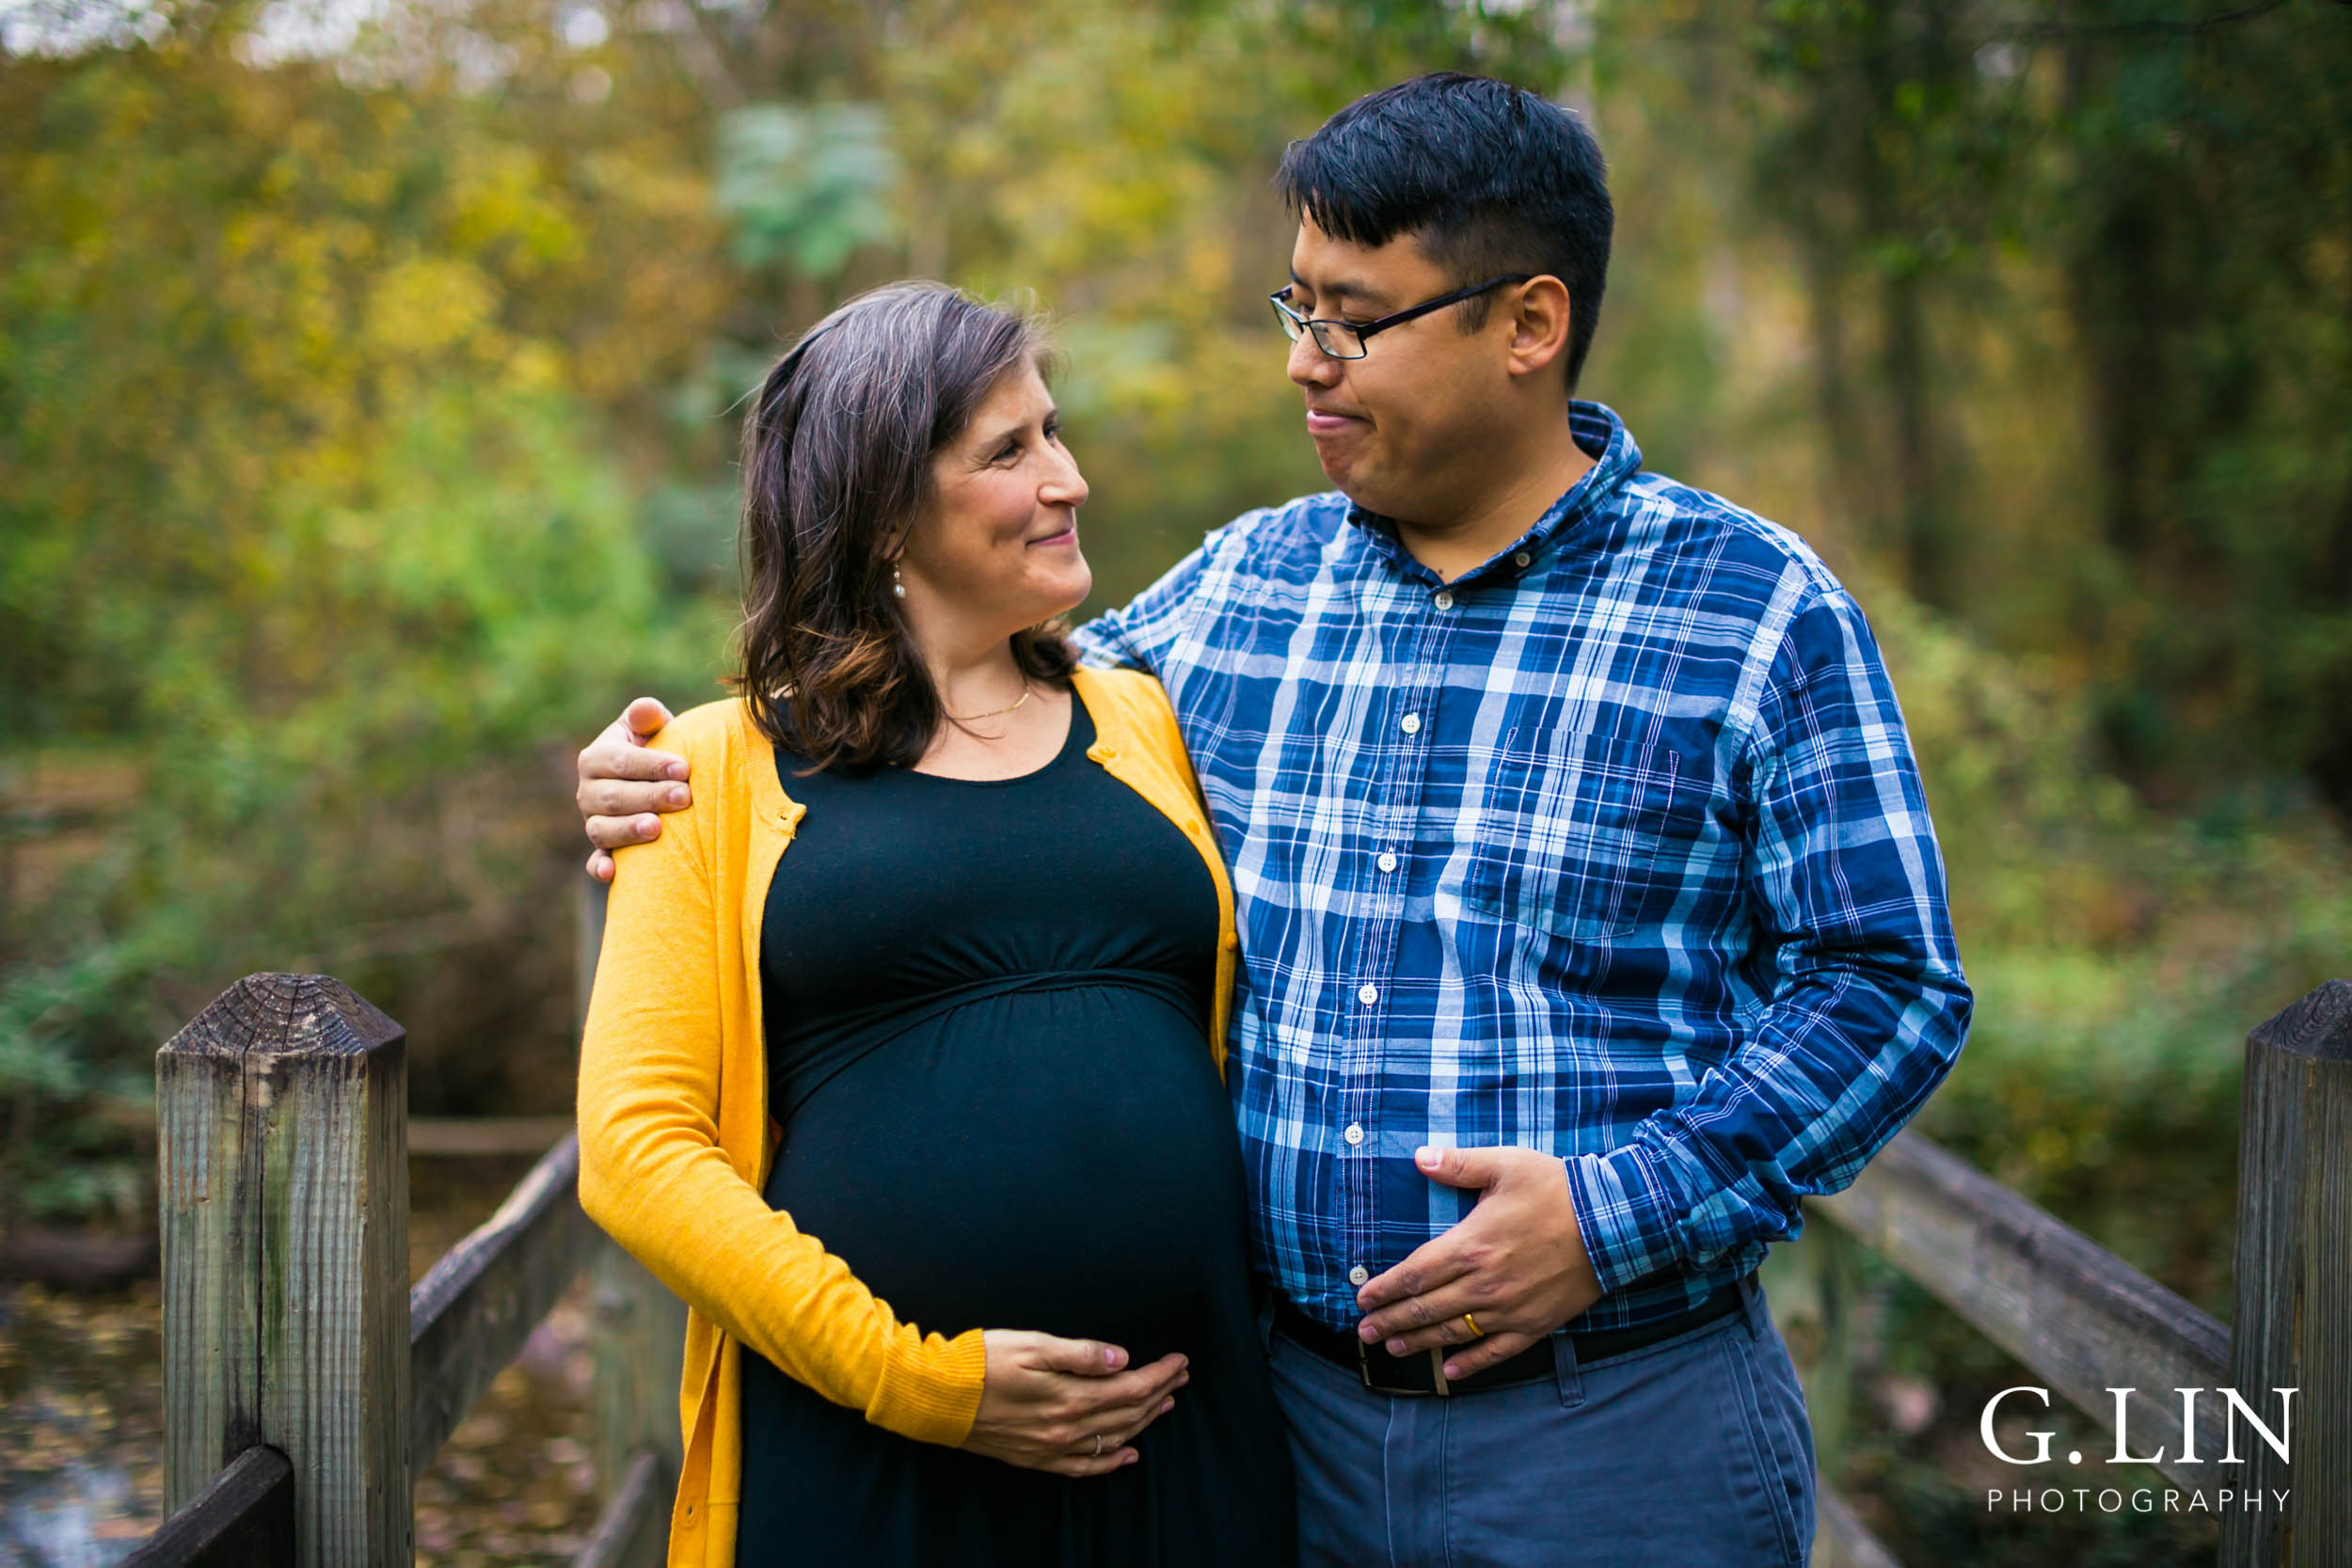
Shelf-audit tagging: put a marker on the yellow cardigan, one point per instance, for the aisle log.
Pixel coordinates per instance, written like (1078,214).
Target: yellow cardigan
(675,1136)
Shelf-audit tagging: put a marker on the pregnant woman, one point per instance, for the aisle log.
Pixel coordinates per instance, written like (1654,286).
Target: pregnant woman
(903,1064)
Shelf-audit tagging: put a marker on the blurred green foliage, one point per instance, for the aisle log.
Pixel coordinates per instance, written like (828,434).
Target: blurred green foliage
(806,187)
(366,414)
(368,404)
(316,517)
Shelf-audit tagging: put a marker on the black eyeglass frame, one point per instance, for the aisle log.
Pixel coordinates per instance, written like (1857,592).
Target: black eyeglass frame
(1293,324)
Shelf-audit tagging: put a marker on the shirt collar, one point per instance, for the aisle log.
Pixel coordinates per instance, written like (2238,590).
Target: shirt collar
(1596,428)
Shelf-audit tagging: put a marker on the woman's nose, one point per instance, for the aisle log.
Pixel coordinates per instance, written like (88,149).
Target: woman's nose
(1065,486)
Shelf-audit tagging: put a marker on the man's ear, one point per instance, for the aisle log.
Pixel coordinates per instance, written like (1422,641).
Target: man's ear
(1540,316)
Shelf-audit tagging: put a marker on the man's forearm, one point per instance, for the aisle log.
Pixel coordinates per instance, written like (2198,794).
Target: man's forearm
(1844,1056)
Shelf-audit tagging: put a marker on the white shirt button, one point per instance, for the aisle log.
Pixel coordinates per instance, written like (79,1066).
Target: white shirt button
(1387,862)
(1368,995)
(1443,600)
(1522,558)
(1358,1275)
(1410,724)
(1355,1134)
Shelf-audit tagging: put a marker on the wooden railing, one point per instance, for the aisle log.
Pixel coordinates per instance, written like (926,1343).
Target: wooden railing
(2087,1324)
(306,1388)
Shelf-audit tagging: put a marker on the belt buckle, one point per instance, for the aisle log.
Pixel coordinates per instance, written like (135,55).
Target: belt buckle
(1436,1373)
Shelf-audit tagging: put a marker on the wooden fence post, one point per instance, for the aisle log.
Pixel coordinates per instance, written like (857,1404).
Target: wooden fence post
(639,1340)
(2294,1316)
(282,1116)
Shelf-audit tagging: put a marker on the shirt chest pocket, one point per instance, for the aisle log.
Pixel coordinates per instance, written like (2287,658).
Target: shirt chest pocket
(1584,836)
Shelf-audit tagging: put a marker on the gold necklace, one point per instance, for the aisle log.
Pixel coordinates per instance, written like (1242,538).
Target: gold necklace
(1026,692)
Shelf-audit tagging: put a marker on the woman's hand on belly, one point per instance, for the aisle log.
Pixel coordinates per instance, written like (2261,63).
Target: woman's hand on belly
(1067,1406)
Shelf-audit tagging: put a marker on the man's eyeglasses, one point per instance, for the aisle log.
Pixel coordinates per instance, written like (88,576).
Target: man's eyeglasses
(1344,340)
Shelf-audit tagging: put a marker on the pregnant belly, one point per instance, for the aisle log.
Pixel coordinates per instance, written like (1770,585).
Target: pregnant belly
(1060,1159)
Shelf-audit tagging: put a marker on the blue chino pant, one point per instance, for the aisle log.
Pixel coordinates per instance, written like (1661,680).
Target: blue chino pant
(1690,1454)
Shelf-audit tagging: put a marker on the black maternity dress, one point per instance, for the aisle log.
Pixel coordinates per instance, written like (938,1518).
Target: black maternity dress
(986,1011)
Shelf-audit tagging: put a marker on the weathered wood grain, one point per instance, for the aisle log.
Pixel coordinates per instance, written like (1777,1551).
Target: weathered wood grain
(208,1203)
(70,1259)
(2080,1316)
(470,1314)
(2294,1311)
(634,1527)
(244,1517)
(284,1197)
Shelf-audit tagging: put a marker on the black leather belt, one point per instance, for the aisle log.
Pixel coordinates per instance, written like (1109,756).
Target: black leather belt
(1424,1372)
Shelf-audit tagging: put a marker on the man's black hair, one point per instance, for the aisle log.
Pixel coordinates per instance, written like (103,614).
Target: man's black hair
(1490,179)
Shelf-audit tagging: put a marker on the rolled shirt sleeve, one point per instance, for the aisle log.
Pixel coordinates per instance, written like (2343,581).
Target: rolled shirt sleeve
(1868,1007)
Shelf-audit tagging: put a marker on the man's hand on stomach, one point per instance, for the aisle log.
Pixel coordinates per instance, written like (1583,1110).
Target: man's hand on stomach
(1514,1269)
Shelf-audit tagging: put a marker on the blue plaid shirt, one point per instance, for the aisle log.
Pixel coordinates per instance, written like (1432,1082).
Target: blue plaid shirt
(1612,848)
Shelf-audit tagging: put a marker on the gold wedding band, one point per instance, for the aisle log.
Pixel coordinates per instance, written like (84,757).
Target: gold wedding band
(1471,1324)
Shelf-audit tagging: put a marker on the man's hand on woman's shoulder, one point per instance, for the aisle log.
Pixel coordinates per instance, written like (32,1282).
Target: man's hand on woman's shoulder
(624,787)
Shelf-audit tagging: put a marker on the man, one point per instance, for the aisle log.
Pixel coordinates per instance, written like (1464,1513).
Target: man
(1591,914)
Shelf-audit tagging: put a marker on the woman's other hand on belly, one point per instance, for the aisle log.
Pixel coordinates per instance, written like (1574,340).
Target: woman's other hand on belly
(1069,1406)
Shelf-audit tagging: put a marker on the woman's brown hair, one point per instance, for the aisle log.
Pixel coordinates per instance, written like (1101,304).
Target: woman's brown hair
(837,467)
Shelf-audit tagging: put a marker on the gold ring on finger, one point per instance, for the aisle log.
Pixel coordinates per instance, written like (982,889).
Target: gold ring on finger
(1098,1445)
(1471,1324)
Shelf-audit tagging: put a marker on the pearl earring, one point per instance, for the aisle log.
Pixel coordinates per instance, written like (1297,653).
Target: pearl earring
(898,584)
